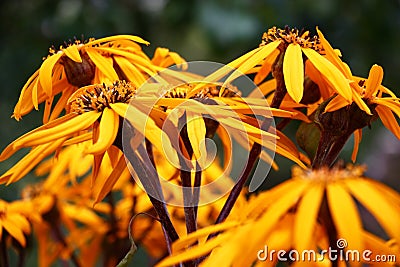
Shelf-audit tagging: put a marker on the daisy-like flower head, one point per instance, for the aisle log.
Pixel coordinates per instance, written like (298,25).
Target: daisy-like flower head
(227,113)
(291,55)
(311,211)
(81,63)
(14,220)
(93,113)
(371,100)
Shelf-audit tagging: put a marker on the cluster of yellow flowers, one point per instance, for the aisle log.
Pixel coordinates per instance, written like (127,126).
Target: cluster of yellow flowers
(125,161)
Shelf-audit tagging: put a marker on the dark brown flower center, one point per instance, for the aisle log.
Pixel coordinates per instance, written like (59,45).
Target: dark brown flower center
(100,96)
(79,74)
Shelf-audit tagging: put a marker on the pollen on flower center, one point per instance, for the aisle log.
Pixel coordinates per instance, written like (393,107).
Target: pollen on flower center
(97,97)
(292,36)
(328,175)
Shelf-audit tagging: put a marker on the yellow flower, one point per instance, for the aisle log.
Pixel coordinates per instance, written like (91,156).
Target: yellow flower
(230,115)
(93,114)
(163,58)
(14,220)
(311,211)
(283,49)
(79,64)
(382,101)
(372,98)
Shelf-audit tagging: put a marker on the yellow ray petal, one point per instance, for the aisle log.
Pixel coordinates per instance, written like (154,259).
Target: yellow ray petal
(196,130)
(336,103)
(103,64)
(388,119)
(135,59)
(330,72)
(73,53)
(131,72)
(268,221)
(74,125)
(46,73)
(376,203)
(374,80)
(148,128)
(263,89)
(391,103)
(194,252)
(14,231)
(109,124)
(293,71)
(360,102)
(306,217)
(26,164)
(357,140)
(333,56)
(345,216)
(133,38)
(102,188)
(202,233)
(255,59)
(266,67)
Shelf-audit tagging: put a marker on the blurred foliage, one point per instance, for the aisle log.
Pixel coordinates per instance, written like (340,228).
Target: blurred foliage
(365,31)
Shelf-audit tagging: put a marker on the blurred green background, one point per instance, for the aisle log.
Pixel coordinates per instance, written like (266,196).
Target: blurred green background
(366,32)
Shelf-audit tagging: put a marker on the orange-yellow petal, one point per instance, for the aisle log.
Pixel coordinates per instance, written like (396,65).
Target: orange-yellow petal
(330,72)
(293,71)
(73,53)
(46,73)
(109,124)
(306,217)
(388,119)
(345,215)
(374,80)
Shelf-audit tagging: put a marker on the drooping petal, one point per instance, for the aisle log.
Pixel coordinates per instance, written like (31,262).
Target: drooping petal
(266,67)
(45,135)
(14,231)
(103,64)
(131,72)
(148,128)
(109,124)
(330,72)
(46,73)
(332,56)
(27,163)
(255,59)
(357,140)
(336,103)
(306,217)
(345,216)
(388,119)
(293,72)
(376,203)
(359,101)
(196,130)
(102,188)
